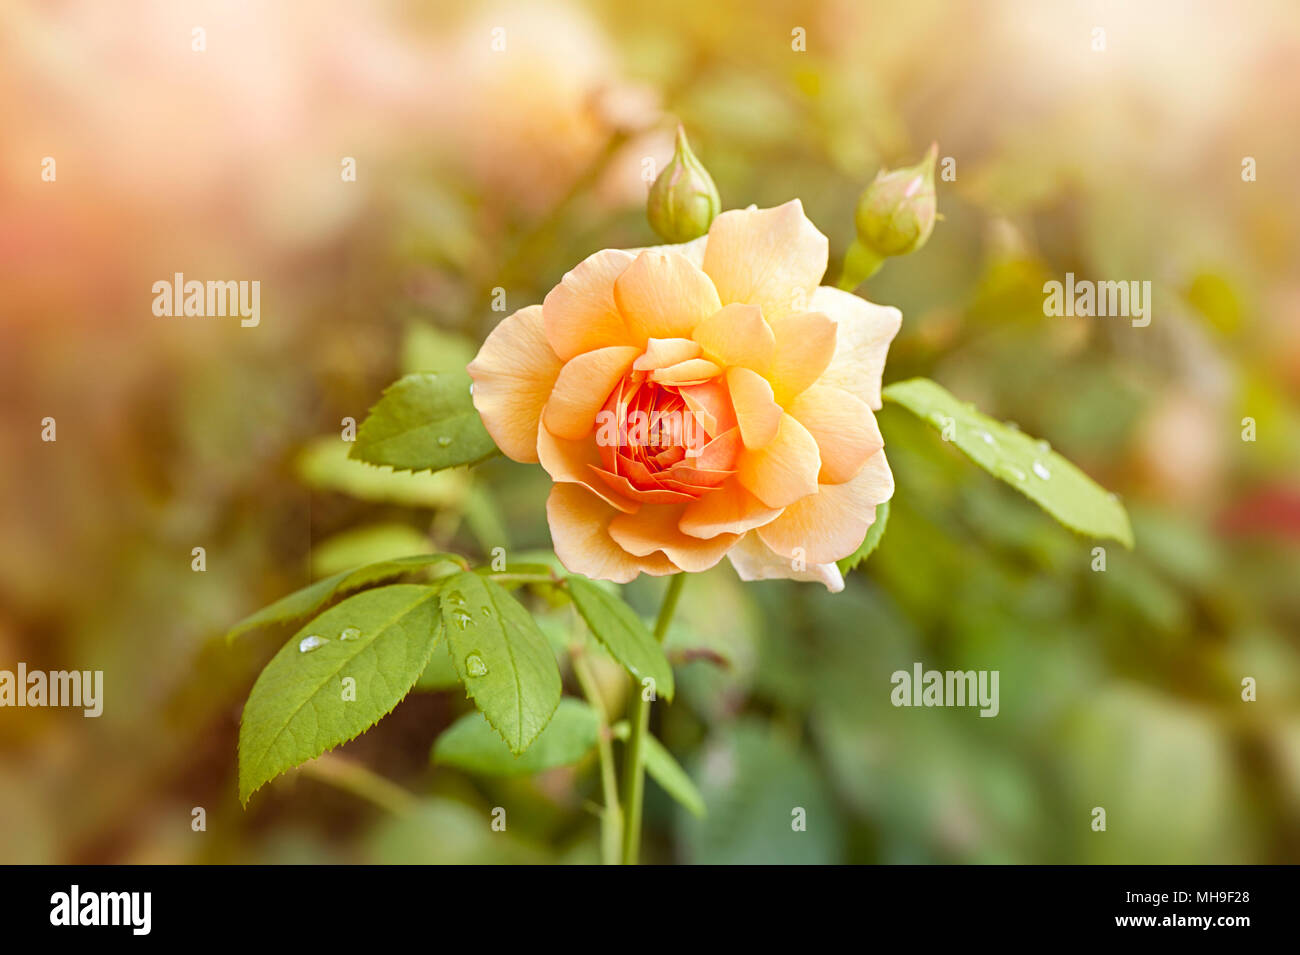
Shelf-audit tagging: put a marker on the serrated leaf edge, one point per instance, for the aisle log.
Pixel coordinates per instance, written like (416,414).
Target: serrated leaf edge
(243,626)
(354,456)
(244,797)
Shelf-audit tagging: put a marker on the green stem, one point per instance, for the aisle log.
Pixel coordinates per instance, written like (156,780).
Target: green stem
(361,781)
(639,721)
(860,263)
(611,818)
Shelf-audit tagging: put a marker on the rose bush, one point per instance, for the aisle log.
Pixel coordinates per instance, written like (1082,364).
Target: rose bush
(698,401)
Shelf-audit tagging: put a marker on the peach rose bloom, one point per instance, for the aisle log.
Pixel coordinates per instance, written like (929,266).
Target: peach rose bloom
(698,401)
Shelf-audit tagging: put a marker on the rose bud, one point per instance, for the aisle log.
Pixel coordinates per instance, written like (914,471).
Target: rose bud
(683,201)
(896,213)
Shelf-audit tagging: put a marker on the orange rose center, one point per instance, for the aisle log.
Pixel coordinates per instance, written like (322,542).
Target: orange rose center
(662,443)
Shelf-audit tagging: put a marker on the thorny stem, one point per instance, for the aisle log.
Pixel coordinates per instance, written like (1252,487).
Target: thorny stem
(611,818)
(639,721)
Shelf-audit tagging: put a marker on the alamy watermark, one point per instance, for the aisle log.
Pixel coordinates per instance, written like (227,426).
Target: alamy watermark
(1087,299)
(208,299)
(75,688)
(646,429)
(75,907)
(923,687)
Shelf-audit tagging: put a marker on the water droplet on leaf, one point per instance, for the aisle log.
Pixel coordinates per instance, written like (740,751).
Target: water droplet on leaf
(1041,470)
(475,666)
(443,441)
(310,643)
(350,633)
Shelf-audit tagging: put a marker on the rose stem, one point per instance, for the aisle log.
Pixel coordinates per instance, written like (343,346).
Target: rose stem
(611,819)
(639,721)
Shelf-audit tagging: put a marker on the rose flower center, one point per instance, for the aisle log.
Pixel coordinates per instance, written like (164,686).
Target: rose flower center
(664,443)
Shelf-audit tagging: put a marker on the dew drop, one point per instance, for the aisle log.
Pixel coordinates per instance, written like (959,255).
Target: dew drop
(475,666)
(310,643)
(463,619)
(1041,470)
(987,438)
(1010,472)
(444,441)
(350,633)
(1042,447)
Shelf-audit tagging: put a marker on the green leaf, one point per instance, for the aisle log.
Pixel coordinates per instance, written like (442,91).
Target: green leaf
(869,543)
(441,673)
(311,598)
(424,422)
(298,708)
(1030,466)
(502,657)
(666,771)
(622,633)
(472,744)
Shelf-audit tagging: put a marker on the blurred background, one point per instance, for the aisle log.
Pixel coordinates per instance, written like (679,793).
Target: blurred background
(480,169)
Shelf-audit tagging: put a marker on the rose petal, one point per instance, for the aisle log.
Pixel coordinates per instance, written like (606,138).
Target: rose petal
(514,373)
(582,388)
(627,489)
(844,427)
(774,258)
(864,331)
(696,477)
(579,523)
(694,371)
(786,469)
(831,524)
(720,454)
(728,510)
(662,352)
(662,295)
(692,251)
(710,403)
(805,344)
(757,414)
(737,335)
(571,462)
(580,312)
(654,528)
(754,560)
